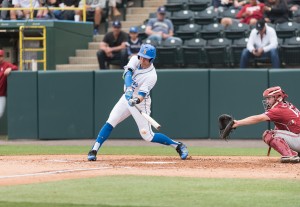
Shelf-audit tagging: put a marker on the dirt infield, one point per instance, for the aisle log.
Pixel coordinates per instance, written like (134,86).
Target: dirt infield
(33,169)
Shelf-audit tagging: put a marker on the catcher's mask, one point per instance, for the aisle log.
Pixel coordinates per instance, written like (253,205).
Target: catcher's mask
(276,92)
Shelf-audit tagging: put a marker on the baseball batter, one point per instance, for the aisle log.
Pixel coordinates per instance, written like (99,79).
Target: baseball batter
(5,69)
(139,77)
(285,138)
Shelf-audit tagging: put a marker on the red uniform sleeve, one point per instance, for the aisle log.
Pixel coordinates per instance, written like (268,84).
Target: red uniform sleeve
(241,12)
(274,114)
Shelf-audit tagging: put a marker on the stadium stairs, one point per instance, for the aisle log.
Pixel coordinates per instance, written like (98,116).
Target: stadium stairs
(86,60)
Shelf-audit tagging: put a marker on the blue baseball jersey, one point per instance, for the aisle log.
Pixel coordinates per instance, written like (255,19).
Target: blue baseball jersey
(143,80)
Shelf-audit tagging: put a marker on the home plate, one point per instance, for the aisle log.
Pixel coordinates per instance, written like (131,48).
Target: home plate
(159,163)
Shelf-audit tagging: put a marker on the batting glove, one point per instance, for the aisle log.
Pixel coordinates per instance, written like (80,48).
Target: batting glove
(134,101)
(128,93)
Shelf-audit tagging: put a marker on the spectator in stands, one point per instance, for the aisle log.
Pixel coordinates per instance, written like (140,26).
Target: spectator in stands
(95,8)
(292,5)
(113,46)
(5,4)
(221,5)
(113,5)
(276,11)
(64,14)
(160,28)
(5,69)
(262,43)
(134,42)
(249,14)
(21,14)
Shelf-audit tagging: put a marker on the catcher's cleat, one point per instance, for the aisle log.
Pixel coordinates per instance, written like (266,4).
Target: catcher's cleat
(92,155)
(182,151)
(290,159)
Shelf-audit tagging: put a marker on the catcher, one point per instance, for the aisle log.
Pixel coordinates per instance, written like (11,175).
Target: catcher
(285,138)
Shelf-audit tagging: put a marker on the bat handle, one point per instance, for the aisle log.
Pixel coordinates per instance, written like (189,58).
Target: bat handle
(269,151)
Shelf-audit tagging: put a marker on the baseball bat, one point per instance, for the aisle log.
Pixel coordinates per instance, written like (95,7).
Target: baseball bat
(149,119)
(269,150)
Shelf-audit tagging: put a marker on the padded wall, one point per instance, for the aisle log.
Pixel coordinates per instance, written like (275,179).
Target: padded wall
(22,105)
(180,103)
(238,93)
(3,123)
(288,79)
(65,104)
(109,87)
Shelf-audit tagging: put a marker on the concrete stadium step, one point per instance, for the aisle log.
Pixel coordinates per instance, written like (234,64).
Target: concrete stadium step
(135,17)
(86,53)
(98,38)
(77,67)
(139,10)
(154,3)
(93,46)
(83,60)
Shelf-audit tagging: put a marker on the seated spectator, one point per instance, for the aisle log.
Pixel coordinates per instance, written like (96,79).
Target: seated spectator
(292,5)
(113,5)
(134,42)
(276,11)
(21,14)
(95,8)
(249,14)
(64,14)
(5,4)
(221,5)
(113,47)
(262,43)
(160,28)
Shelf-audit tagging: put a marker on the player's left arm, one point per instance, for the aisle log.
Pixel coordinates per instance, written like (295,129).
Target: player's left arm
(251,120)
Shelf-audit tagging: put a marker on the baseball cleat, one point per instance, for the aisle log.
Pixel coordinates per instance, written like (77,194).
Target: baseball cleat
(290,159)
(182,151)
(92,155)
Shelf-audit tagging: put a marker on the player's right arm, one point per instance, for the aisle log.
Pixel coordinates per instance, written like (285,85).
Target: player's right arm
(251,120)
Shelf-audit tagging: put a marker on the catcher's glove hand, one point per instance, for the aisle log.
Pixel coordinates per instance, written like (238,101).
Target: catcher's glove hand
(225,125)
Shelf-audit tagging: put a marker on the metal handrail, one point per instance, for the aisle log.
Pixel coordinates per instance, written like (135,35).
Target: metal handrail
(22,49)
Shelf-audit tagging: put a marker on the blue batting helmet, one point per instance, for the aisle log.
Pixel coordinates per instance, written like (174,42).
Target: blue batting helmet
(147,51)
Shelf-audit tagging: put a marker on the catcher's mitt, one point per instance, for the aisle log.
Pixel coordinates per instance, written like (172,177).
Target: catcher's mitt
(225,125)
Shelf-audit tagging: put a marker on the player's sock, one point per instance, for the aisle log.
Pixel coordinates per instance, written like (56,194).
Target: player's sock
(163,139)
(103,135)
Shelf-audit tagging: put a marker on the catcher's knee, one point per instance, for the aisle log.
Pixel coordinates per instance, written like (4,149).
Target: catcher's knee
(268,136)
(146,135)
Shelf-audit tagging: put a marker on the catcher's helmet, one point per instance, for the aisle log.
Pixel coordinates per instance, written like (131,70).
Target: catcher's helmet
(275,92)
(147,51)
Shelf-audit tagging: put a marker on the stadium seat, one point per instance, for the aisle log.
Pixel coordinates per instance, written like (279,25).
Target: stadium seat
(218,52)
(205,17)
(193,52)
(141,31)
(287,29)
(169,53)
(237,30)
(151,42)
(181,18)
(188,31)
(211,31)
(237,48)
(289,51)
(198,5)
(176,5)
(230,12)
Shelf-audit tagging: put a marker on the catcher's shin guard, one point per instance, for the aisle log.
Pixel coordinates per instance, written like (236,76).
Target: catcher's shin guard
(278,144)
